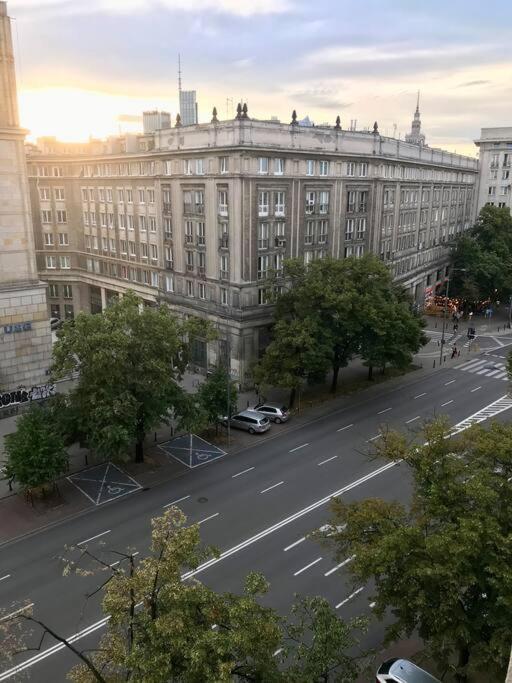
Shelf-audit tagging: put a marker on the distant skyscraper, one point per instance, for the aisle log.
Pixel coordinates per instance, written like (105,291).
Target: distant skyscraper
(155,120)
(25,338)
(188,107)
(416,137)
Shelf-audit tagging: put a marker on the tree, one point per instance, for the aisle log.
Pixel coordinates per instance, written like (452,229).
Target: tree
(482,258)
(167,626)
(443,565)
(213,396)
(36,454)
(130,360)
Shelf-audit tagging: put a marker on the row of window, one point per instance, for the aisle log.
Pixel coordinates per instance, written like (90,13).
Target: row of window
(493,174)
(145,195)
(53,291)
(125,220)
(125,247)
(47,216)
(495,160)
(63,261)
(49,239)
(504,190)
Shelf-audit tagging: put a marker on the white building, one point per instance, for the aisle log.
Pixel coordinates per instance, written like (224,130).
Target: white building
(155,120)
(495,179)
(188,107)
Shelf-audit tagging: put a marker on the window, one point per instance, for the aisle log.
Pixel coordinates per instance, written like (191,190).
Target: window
(493,174)
(323,167)
(142,195)
(280,236)
(120,195)
(323,227)
(103,219)
(154,252)
(199,201)
(129,196)
(349,251)
(224,267)
(132,247)
(51,262)
(199,166)
(152,224)
(57,171)
(142,223)
(363,170)
(310,167)
(46,216)
(308,257)
(48,239)
(87,241)
(504,189)
(154,279)
(167,228)
(310,202)
(85,195)
(278,264)
(200,232)
(263,202)
(168,257)
(324,202)
(63,239)
(359,250)
(278,166)
(67,291)
(69,313)
(351,169)
(361,228)
(123,246)
(65,262)
(263,262)
(491,192)
(223,203)
(190,288)
(62,216)
(309,235)
(44,193)
(223,164)
(94,242)
(169,283)
(109,194)
(279,204)
(104,243)
(122,220)
(110,217)
(168,167)
(263,165)
(187,167)
(263,236)
(349,229)
(91,194)
(53,291)
(201,290)
(92,217)
(129,219)
(189,232)
(101,193)
(263,296)
(112,245)
(223,296)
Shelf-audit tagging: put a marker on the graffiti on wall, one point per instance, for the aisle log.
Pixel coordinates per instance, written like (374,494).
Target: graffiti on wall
(25,395)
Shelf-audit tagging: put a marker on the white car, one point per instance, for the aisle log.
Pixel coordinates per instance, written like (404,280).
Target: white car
(403,671)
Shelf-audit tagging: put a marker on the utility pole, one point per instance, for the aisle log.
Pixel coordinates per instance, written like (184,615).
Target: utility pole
(444,319)
(228,371)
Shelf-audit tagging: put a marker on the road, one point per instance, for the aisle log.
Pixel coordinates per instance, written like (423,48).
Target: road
(256,508)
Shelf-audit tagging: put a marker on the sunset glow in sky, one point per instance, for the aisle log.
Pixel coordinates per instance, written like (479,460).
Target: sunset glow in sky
(81,65)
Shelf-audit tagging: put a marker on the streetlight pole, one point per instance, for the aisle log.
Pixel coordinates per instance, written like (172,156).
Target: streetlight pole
(444,319)
(509,311)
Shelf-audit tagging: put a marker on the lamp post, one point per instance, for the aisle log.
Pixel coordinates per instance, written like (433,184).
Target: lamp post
(459,270)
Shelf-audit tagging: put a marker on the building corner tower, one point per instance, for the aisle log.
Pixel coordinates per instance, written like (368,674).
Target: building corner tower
(25,337)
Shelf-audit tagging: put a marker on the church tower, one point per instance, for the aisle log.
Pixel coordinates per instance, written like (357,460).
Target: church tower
(416,137)
(25,337)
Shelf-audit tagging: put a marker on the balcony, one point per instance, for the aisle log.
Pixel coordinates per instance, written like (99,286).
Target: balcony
(224,242)
(201,271)
(190,267)
(169,265)
(280,241)
(223,209)
(168,235)
(189,239)
(201,241)
(263,210)
(279,210)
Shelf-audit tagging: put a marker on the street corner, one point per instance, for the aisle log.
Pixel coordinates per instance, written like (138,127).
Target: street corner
(192,450)
(104,483)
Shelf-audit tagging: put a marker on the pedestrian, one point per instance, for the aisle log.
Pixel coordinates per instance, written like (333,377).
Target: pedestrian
(455,327)
(458,353)
(454,351)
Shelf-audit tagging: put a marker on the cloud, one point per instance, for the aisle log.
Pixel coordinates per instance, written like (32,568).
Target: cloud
(326,98)
(241,8)
(470,84)
(129,118)
(243,63)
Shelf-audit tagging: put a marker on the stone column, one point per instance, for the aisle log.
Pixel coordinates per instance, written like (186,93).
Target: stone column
(103,298)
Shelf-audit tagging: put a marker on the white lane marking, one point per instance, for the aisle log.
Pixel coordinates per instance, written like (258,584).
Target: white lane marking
(501,375)
(338,566)
(176,501)
(328,460)
(502,404)
(239,474)
(311,564)
(447,403)
(342,429)
(207,518)
(467,364)
(292,545)
(475,389)
(412,419)
(384,411)
(272,487)
(420,395)
(298,447)
(277,652)
(373,438)
(114,564)
(2,578)
(352,595)
(13,614)
(450,382)
(372,605)
(93,538)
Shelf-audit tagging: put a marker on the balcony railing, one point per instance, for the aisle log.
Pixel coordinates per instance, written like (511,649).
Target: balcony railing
(280,241)
(224,242)
(223,209)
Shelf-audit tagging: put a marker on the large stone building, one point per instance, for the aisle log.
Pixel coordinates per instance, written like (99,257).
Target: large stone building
(494,182)
(202,219)
(25,339)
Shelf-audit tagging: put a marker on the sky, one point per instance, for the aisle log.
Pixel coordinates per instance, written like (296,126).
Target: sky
(90,67)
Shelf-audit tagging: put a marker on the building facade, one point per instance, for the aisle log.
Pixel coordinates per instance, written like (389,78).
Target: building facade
(188,107)
(495,179)
(213,210)
(25,338)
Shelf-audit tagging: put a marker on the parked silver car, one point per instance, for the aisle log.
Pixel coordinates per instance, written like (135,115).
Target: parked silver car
(249,420)
(275,412)
(403,671)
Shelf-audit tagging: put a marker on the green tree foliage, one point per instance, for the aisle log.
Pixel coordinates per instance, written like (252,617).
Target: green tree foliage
(442,566)
(482,258)
(213,396)
(130,360)
(36,454)
(333,310)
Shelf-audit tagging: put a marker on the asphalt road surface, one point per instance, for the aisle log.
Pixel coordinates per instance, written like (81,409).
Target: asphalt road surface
(256,507)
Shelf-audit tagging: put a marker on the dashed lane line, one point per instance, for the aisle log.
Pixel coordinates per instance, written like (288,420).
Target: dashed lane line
(349,597)
(308,566)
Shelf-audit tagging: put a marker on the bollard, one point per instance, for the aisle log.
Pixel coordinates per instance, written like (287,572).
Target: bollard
(434,363)
(155,437)
(444,359)
(172,430)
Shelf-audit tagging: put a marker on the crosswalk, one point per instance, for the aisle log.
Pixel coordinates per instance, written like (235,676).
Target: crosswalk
(485,367)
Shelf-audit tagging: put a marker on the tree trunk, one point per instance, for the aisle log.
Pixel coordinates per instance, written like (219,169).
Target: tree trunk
(291,401)
(140,435)
(139,450)
(461,676)
(370,373)
(334,383)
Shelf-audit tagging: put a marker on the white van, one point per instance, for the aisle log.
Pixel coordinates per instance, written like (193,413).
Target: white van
(403,671)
